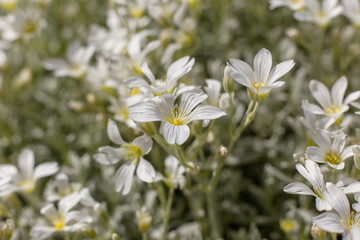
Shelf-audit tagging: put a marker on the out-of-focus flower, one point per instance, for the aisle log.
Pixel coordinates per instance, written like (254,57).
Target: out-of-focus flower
(62,219)
(319,14)
(158,86)
(8,5)
(76,63)
(174,173)
(352,11)
(295,5)
(175,118)
(331,148)
(313,174)
(309,120)
(143,219)
(132,153)
(61,187)
(21,24)
(262,79)
(332,105)
(25,179)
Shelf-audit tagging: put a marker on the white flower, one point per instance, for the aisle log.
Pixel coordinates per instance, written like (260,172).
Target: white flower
(76,63)
(331,148)
(62,219)
(262,79)
(174,173)
(341,220)
(215,98)
(162,86)
(313,174)
(61,187)
(294,5)
(332,104)
(319,14)
(22,24)
(131,152)
(25,179)
(309,120)
(175,118)
(352,11)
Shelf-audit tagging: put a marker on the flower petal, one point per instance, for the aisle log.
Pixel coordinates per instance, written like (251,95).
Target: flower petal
(26,163)
(124,177)
(145,112)
(205,112)
(262,65)
(144,142)
(114,133)
(173,133)
(298,188)
(45,169)
(145,171)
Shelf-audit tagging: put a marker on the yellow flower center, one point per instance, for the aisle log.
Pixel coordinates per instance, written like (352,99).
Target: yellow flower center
(321,15)
(8,5)
(332,158)
(318,193)
(28,185)
(287,225)
(176,119)
(258,85)
(136,11)
(123,113)
(332,109)
(132,151)
(296,1)
(59,224)
(134,91)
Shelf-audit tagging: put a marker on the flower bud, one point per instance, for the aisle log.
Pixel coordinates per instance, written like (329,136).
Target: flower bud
(143,219)
(100,210)
(114,236)
(228,82)
(356,150)
(223,151)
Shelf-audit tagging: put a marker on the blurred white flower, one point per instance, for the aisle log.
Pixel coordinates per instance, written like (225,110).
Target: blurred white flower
(321,14)
(21,24)
(76,63)
(309,120)
(313,174)
(61,187)
(8,5)
(174,173)
(262,79)
(175,118)
(62,219)
(331,148)
(332,105)
(25,179)
(162,86)
(132,153)
(352,11)
(295,5)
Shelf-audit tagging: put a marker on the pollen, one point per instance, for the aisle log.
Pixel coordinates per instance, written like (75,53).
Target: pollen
(59,225)
(258,85)
(332,158)
(132,151)
(176,122)
(332,109)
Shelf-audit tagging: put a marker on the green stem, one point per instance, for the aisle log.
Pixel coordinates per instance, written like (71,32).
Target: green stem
(166,215)
(144,236)
(212,210)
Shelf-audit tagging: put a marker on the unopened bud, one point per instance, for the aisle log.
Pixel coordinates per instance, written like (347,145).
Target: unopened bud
(114,236)
(228,82)
(143,219)
(356,150)
(223,151)
(317,233)
(88,231)
(191,168)
(101,212)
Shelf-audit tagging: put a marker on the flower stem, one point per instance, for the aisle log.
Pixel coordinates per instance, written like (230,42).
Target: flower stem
(166,215)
